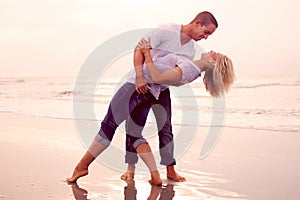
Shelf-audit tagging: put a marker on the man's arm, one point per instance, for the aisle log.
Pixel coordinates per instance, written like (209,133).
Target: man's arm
(157,36)
(140,81)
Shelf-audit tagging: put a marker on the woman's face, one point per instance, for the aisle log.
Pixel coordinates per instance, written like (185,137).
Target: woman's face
(214,55)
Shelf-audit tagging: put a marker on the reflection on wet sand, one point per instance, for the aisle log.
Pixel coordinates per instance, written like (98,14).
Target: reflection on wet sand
(130,191)
(166,192)
(79,193)
(199,185)
(206,185)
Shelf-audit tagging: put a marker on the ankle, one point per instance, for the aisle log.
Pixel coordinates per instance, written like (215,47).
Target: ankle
(131,167)
(81,168)
(155,173)
(170,169)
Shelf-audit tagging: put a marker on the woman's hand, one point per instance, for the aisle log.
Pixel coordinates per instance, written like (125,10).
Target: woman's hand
(141,84)
(144,46)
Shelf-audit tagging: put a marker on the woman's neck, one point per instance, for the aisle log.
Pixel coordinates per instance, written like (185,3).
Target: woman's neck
(201,64)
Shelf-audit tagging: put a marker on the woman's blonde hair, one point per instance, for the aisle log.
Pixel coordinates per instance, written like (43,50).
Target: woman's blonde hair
(218,80)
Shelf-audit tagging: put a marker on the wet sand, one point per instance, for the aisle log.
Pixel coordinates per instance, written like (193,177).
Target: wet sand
(37,154)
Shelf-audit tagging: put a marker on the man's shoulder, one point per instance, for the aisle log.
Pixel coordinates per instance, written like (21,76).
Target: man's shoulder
(169,26)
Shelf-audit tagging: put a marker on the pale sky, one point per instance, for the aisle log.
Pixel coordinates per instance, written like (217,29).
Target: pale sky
(54,37)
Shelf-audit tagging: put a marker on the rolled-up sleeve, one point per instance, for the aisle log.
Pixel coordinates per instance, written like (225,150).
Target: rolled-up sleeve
(190,71)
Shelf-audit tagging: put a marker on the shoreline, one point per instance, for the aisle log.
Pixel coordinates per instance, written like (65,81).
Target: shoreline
(174,124)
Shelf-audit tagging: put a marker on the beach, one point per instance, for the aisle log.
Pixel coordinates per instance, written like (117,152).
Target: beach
(38,153)
(62,62)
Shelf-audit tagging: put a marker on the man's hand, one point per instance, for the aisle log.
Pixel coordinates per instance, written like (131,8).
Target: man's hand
(141,84)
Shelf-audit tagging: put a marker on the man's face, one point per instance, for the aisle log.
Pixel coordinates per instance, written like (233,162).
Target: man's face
(202,32)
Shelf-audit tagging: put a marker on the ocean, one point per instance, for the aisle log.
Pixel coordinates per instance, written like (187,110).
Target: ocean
(262,103)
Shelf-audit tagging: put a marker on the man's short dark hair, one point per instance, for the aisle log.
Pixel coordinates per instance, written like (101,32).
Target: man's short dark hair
(206,18)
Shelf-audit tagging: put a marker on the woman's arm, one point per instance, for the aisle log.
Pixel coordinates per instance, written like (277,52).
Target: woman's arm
(170,77)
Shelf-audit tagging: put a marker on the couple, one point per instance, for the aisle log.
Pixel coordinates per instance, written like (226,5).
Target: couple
(164,59)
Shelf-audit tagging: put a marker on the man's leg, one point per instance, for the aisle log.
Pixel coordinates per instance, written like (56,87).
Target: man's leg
(131,158)
(163,113)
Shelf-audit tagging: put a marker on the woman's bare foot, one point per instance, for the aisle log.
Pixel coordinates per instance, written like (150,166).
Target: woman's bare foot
(171,174)
(128,176)
(155,179)
(77,174)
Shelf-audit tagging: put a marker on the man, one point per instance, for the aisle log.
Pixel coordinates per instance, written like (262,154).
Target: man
(167,39)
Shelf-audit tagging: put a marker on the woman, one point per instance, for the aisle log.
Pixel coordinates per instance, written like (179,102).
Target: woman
(219,71)
(132,107)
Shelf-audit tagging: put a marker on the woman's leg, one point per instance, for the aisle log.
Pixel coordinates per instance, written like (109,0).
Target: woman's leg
(137,105)
(82,167)
(146,155)
(117,112)
(134,127)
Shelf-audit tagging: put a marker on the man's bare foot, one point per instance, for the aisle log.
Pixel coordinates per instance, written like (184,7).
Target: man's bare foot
(155,179)
(77,174)
(128,176)
(171,174)
(176,177)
